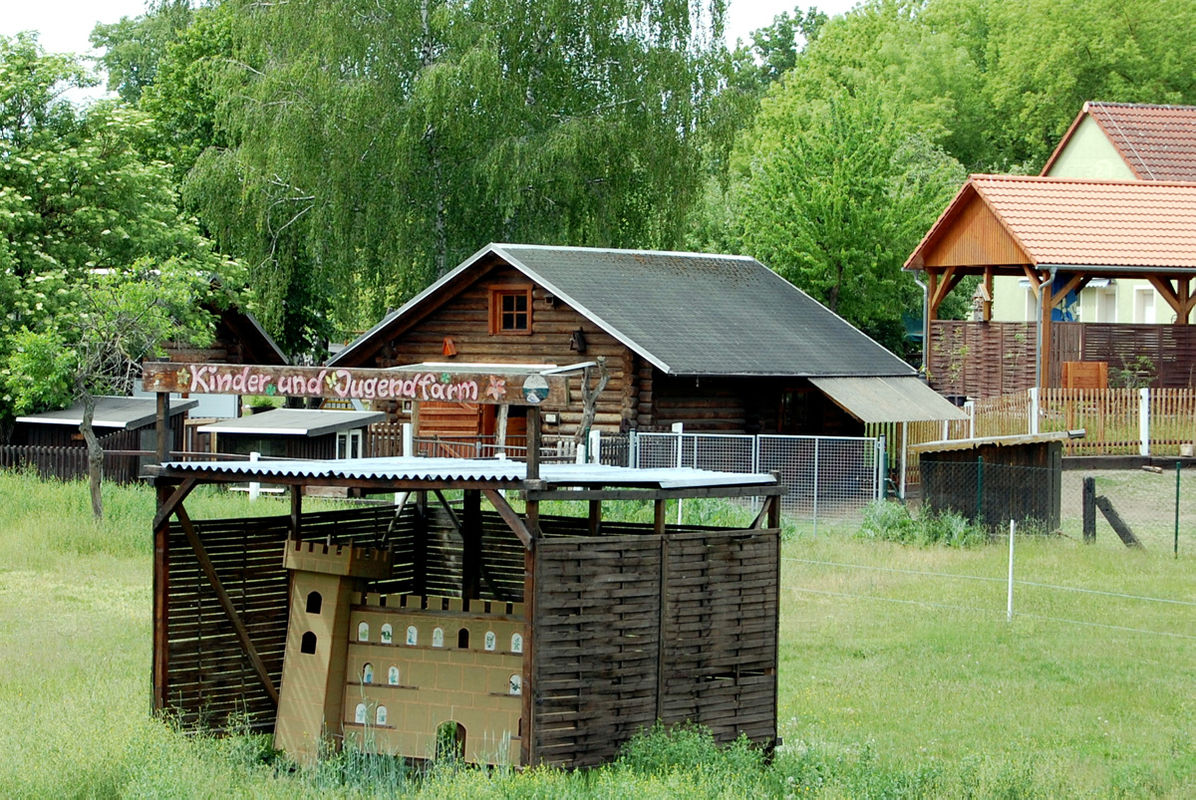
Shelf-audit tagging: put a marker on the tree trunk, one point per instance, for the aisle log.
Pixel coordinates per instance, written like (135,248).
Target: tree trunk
(95,456)
(589,399)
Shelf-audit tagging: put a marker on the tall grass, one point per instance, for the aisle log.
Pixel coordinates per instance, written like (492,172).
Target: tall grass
(896,679)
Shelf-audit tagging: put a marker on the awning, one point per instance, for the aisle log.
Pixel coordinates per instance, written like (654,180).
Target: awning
(888,399)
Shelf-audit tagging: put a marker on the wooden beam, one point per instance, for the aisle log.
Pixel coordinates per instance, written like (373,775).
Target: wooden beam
(527,706)
(166,507)
(658,524)
(1076,283)
(1183,314)
(470,529)
(1180,305)
(932,283)
(950,279)
(296,510)
(595,517)
(510,517)
(533,443)
(161,592)
(763,490)
(162,427)
(1034,276)
(419,546)
(205,564)
(986,307)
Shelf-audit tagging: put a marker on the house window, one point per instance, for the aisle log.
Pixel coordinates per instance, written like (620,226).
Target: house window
(348,444)
(511,309)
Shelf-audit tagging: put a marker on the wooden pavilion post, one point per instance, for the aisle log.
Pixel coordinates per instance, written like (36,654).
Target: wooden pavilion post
(527,751)
(471,545)
(162,428)
(161,592)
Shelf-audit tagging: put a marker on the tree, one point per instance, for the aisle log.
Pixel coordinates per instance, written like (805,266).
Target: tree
(97,266)
(834,195)
(371,147)
(134,46)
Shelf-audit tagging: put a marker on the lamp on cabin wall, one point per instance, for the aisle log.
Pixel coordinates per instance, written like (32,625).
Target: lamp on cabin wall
(577,341)
(449,347)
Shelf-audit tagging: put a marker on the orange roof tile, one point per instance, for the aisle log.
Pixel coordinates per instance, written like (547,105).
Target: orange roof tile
(1070,221)
(1157,142)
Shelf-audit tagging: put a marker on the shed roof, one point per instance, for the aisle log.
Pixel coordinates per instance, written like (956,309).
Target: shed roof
(295,422)
(1157,142)
(125,413)
(875,400)
(994,441)
(1119,227)
(687,313)
(495,471)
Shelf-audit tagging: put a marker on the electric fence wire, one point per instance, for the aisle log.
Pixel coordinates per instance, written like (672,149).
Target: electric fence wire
(987,579)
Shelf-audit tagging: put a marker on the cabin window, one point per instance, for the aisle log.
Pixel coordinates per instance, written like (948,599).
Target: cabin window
(348,444)
(367,673)
(511,309)
(516,643)
(387,634)
(438,637)
(314,602)
(463,639)
(363,631)
(491,641)
(380,716)
(412,635)
(308,643)
(392,676)
(359,714)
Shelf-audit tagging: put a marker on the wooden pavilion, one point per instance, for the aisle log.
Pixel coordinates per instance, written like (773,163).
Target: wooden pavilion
(1059,233)
(528,637)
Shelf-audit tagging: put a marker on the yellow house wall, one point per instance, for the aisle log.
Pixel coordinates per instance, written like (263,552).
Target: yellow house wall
(468,686)
(1090,154)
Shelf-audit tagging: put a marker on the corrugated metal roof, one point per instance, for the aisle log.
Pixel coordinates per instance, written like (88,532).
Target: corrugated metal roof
(125,413)
(464,469)
(687,313)
(1109,226)
(888,399)
(999,441)
(295,422)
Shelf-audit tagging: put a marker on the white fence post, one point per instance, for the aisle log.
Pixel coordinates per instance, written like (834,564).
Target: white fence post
(255,488)
(1009,598)
(1144,422)
(633,448)
(1033,409)
(594,453)
(408,440)
(969,408)
(816,440)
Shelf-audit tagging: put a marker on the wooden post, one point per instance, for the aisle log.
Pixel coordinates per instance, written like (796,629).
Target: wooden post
(1089,510)
(161,591)
(658,525)
(297,511)
(533,443)
(595,517)
(162,427)
(471,550)
(527,750)
(419,546)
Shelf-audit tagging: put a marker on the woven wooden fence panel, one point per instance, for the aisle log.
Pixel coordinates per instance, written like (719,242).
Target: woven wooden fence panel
(209,676)
(720,642)
(631,629)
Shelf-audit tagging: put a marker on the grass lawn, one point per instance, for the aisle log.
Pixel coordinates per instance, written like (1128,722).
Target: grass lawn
(897,679)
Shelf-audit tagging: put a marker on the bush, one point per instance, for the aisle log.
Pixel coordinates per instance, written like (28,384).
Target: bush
(891,522)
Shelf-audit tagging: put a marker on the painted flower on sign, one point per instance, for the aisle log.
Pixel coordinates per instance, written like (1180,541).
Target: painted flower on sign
(496,387)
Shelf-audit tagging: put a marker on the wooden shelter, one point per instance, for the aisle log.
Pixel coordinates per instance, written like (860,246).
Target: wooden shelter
(994,479)
(294,433)
(528,637)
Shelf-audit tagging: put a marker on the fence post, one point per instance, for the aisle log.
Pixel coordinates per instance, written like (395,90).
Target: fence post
(1178,467)
(1033,409)
(816,440)
(633,448)
(969,408)
(980,489)
(1144,421)
(255,488)
(594,453)
(408,440)
(1089,510)
(882,467)
(1009,598)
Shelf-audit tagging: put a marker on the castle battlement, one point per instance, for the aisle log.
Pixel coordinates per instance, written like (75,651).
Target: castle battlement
(432,604)
(355,562)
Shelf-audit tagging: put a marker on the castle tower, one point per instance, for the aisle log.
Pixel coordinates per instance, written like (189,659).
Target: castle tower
(323,581)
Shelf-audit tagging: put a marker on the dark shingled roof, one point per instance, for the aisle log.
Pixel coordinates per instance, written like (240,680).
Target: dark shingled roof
(686,313)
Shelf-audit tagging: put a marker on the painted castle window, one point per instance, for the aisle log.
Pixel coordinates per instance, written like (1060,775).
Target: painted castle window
(463,638)
(314,602)
(367,673)
(412,635)
(516,642)
(515,684)
(363,631)
(387,634)
(491,641)
(438,637)
(308,643)
(392,676)
(359,714)
(450,741)
(380,716)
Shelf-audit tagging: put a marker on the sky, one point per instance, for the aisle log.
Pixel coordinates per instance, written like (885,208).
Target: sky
(64,25)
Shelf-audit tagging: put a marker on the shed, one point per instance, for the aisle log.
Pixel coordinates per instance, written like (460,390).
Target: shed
(294,433)
(51,440)
(995,479)
(522,638)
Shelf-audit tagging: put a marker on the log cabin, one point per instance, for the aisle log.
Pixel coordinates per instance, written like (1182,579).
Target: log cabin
(719,343)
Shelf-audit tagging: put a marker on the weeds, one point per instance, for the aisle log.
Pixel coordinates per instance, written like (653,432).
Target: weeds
(892,522)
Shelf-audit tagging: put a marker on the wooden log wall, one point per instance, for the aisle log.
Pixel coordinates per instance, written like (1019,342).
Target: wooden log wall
(465,319)
(635,628)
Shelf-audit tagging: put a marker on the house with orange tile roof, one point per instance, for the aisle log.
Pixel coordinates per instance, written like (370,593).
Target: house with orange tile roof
(1092,261)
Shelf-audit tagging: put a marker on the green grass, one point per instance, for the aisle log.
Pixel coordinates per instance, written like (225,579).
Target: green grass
(894,683)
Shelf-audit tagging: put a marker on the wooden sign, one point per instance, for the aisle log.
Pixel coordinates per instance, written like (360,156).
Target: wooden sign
(497,388)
